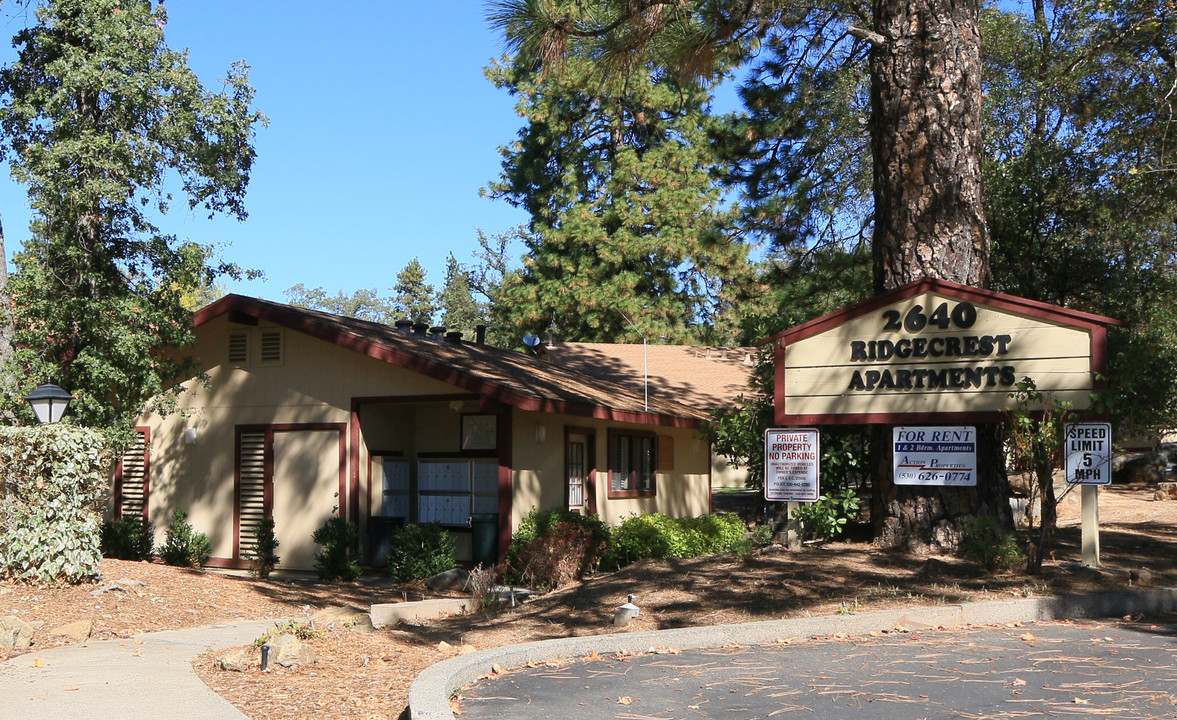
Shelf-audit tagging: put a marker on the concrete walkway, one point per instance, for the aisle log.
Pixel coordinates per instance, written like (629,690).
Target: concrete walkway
(149,676)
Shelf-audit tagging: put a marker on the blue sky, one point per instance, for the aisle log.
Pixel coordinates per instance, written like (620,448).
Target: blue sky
(382,130)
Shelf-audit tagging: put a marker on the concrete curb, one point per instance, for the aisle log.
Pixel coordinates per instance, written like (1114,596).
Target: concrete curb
(430,692)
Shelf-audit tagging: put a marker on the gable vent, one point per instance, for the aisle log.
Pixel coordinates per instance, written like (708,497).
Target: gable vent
(271,346)
(239,348)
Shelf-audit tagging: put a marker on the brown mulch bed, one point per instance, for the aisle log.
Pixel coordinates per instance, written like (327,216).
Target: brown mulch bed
(367,675)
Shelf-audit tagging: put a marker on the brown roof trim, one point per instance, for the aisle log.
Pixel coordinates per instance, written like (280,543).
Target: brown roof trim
(309,323)
(1011,303)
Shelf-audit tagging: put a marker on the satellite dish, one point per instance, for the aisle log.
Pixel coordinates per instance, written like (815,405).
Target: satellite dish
(531,341)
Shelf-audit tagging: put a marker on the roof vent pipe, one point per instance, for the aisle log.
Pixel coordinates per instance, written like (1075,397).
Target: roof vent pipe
(437,330)
(404,326)
(420,328)
(454,336)
(480,334)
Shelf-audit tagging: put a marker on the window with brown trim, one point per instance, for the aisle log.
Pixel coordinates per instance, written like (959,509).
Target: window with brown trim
(632,458)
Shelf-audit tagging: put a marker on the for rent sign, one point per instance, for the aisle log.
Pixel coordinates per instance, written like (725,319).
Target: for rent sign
(935,456)
(790,464)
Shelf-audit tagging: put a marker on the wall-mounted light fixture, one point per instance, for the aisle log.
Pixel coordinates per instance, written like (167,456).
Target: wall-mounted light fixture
(190,436)
(541,434)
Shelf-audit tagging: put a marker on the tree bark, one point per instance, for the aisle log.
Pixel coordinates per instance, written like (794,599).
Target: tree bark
(926,142)
(930,223)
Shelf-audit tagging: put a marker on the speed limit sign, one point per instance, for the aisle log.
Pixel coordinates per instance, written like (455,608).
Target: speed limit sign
(1088,448)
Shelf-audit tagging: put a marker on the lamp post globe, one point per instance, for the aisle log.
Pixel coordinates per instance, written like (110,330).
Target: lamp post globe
(49,403)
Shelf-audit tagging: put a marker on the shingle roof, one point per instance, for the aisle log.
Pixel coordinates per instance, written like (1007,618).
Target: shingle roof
(703,377)
(514,378)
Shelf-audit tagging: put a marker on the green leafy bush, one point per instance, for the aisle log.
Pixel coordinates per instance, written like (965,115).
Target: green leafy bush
(553,547)
(53,482)
(183,546)
(131,537)
(984,541)
(827,518)
(420,551)
(335,559)
(260,551)
(660,536)
(762,535)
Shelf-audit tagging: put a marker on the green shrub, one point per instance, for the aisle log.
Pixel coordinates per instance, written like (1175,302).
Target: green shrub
(637,537)
(722,532)
(660,536)
(335,559)
(552,547)
(827,518)
(131,537)
(420,551)
(762,534)
(53,482)
(260,551)
(984,541)
(183,546)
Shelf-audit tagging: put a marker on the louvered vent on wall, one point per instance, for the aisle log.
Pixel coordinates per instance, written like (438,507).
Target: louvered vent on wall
(271,346)
(252,498)
(134,478)
(239,348)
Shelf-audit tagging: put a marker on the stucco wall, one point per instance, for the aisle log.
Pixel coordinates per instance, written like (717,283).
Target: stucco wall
(684,490)
(314,383)
(306,399)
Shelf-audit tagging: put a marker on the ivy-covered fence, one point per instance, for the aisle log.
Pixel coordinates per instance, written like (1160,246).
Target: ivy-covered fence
(53,484)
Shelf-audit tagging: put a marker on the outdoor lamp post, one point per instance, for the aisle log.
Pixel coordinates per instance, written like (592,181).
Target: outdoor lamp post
(49,403)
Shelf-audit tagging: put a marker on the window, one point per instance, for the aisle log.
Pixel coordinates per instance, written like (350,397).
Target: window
(451,489)
(631,464)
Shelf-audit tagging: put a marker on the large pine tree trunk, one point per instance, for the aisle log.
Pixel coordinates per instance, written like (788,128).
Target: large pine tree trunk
(929,222)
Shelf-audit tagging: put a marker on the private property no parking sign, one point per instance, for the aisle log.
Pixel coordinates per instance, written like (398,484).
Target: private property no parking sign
(790,464)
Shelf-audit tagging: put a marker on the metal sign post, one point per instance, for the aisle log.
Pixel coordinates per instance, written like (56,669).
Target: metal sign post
(1088,451)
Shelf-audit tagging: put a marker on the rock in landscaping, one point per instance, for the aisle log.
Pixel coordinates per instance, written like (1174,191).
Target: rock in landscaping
(237,660)
(1140,576)
(288,651)
(456,579)
(1143,468)
(78,631)
(1166,491)
(15,634)
(342,616)
(934,568)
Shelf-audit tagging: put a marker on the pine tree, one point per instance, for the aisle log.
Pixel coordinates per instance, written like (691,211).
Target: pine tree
(459,310)
(414,299)
(626,238)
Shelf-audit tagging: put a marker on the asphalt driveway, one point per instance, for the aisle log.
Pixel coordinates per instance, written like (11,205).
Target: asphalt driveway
(1086,668)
